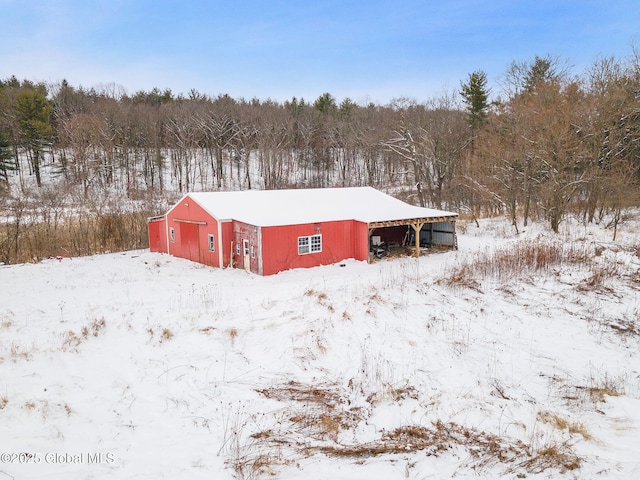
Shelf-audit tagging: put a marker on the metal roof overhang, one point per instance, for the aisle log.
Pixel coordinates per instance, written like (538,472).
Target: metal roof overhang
(416,224)
(412,221)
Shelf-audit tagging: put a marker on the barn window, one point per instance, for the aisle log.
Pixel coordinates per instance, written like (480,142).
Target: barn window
(212,243)
(253,252)
(316,243)
(311,244)
(172,234)
(237,249)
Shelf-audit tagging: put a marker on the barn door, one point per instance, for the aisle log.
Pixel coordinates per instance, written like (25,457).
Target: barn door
(154,236)
(246,259)
(190,245)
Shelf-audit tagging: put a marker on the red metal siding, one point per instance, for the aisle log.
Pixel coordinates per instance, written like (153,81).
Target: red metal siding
(157,235)
(192,226)
(340,240)
(189,241)
(360,240)
(271,249)
(227,243)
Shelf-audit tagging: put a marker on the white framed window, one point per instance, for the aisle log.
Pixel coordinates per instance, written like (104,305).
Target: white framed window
(316,243)
(253,252)
(172,234)
(237,249)
(211,240)
(303,245)
(310,244)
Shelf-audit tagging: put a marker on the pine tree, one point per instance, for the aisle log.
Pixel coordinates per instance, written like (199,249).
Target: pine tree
(326,104)
(6,158)
(542,70)
(34,117)
(476,97)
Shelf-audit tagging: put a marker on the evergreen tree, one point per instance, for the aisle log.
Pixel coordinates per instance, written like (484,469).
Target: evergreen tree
(542,70)
(347,107)
(476,97)
(326,103)
(6,158)
(34,117)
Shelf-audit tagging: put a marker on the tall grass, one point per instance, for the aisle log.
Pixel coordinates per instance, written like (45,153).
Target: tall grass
(73,235)
(518,259)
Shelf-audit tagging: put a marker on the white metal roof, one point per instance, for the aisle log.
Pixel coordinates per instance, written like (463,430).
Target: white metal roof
(290,207)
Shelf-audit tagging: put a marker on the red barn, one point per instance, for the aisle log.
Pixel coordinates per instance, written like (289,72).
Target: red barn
(268,231)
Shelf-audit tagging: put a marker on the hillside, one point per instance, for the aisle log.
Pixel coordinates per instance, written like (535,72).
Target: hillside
(513,357)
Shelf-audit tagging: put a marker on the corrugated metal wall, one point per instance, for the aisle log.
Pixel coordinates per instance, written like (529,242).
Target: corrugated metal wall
(340,240)
(191,226)
(228,245)
(438,234)
(157,228)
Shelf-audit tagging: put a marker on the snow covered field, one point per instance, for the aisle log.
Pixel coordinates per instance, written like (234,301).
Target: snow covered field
(144,366)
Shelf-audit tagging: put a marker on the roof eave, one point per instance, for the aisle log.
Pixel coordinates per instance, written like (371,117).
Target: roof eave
(412,221)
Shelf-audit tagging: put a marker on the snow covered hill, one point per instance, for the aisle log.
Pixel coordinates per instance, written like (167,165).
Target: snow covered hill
(514,357)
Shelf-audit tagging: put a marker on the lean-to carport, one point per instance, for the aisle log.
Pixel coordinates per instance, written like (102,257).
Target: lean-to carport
(417,224)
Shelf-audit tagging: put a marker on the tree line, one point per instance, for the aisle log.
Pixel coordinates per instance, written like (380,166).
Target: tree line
(549,144)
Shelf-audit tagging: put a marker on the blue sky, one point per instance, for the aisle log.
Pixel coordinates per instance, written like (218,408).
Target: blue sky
(374,50)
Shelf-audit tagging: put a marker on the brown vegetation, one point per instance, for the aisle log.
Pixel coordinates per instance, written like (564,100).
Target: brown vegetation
(30,234)
(518,259)
(315,429)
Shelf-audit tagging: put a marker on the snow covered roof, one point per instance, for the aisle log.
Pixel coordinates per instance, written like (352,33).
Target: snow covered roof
(290,207)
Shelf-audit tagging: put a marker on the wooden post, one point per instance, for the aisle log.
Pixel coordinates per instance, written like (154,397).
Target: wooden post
(417,227)
(371,230)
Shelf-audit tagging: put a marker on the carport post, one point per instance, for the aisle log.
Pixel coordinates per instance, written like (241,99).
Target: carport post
(417,227)
(371,230)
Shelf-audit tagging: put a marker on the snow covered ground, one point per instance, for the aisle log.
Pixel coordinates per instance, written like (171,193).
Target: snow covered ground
(144,366)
